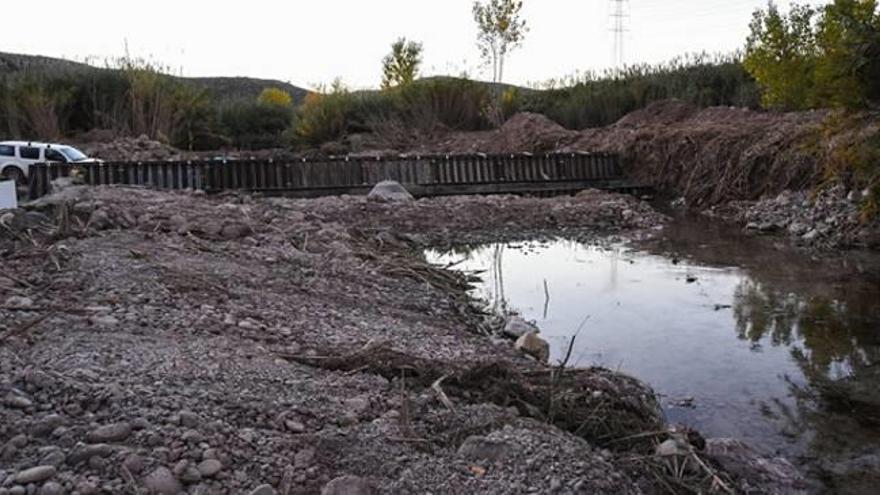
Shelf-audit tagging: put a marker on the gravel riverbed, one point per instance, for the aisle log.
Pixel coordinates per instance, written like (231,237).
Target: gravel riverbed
(172,343)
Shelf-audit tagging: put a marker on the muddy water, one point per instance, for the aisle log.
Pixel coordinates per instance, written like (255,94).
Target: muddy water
(740,336)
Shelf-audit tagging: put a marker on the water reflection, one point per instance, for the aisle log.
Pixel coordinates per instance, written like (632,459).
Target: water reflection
(775,347)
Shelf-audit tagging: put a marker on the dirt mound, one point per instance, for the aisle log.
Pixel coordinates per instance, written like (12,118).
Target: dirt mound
(140,149)
(524,132)
(664,112)
(531,132)
(714,155)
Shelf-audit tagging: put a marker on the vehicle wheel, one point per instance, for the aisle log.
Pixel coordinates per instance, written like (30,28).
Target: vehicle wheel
(14,174)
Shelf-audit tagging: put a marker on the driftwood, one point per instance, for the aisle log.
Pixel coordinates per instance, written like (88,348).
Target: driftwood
(597,404)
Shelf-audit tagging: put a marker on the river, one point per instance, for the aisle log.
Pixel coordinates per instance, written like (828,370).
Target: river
(740,336)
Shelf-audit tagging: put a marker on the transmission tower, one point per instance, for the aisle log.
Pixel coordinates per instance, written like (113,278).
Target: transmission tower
(618,17)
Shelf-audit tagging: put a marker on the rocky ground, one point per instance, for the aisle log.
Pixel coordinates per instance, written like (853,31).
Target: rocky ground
(830,219)
(177,343)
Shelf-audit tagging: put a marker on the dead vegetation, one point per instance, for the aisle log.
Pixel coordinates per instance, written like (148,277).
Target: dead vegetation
(601,406)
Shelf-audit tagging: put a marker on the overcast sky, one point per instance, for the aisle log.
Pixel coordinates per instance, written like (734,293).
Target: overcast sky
(310,42)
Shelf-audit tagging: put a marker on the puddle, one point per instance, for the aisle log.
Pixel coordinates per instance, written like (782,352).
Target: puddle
(736,334)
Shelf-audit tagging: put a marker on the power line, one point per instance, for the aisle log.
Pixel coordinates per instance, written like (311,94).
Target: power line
(618,15)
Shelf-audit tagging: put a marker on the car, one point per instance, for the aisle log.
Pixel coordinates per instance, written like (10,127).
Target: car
(16,157)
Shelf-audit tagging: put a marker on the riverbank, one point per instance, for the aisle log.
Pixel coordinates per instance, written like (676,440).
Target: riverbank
(221,344)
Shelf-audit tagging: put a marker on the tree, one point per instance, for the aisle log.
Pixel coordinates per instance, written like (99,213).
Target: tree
(501,30)
(810,58)
(781,55)
(848,37)
(401,66)
(275,97)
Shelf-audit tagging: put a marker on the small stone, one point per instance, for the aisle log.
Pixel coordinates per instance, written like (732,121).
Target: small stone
(19,441)
(84,453)
(86,488)
(51,488)
(671,447)
(189,419)
(811,235)
(134,463)
(191,475)
(53,458)
(17,401)
(115,432)
(533,345)
(263,490)
(349,485)
(516,327)
(163,482)
(47,425)
(295,426)
(20,302)
(35,474)
(303,458)
(105,321)
(210,467)
(479,448)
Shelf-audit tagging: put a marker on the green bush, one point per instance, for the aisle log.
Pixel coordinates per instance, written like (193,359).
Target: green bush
(324,115)
(254,125)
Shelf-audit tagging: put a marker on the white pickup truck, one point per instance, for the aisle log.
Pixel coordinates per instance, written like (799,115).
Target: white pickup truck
(16,157)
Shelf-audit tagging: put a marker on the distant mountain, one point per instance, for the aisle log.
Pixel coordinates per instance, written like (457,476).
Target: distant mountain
(223,88)
(237,88)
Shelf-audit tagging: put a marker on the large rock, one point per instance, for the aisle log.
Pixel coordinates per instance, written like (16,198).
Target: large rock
(533,345)
(389,191)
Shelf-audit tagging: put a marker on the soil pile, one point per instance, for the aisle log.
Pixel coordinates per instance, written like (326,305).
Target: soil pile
(524,132)
(713,155)
(140,149)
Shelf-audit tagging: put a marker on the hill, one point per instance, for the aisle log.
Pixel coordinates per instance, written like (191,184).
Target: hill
(224,89)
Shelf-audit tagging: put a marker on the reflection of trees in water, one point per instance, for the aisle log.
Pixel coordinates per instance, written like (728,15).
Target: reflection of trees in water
(826,335)
(837,347)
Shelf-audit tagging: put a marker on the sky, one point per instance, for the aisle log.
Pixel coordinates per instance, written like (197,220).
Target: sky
(313,42)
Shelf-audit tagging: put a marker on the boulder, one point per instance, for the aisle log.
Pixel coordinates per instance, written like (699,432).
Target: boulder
(533,345)
(389,191)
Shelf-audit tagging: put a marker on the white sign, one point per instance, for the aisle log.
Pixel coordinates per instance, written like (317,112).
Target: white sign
(8,199)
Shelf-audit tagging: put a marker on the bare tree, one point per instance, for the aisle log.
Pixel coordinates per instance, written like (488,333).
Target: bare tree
(501,30)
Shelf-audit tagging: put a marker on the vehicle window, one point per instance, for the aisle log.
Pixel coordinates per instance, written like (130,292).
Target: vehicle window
(72,153)
(6,150)
(53,155)
(29,153)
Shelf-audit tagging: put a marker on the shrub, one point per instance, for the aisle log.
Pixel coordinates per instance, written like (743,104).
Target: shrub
(324,115)
(254,125)
(276,97)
